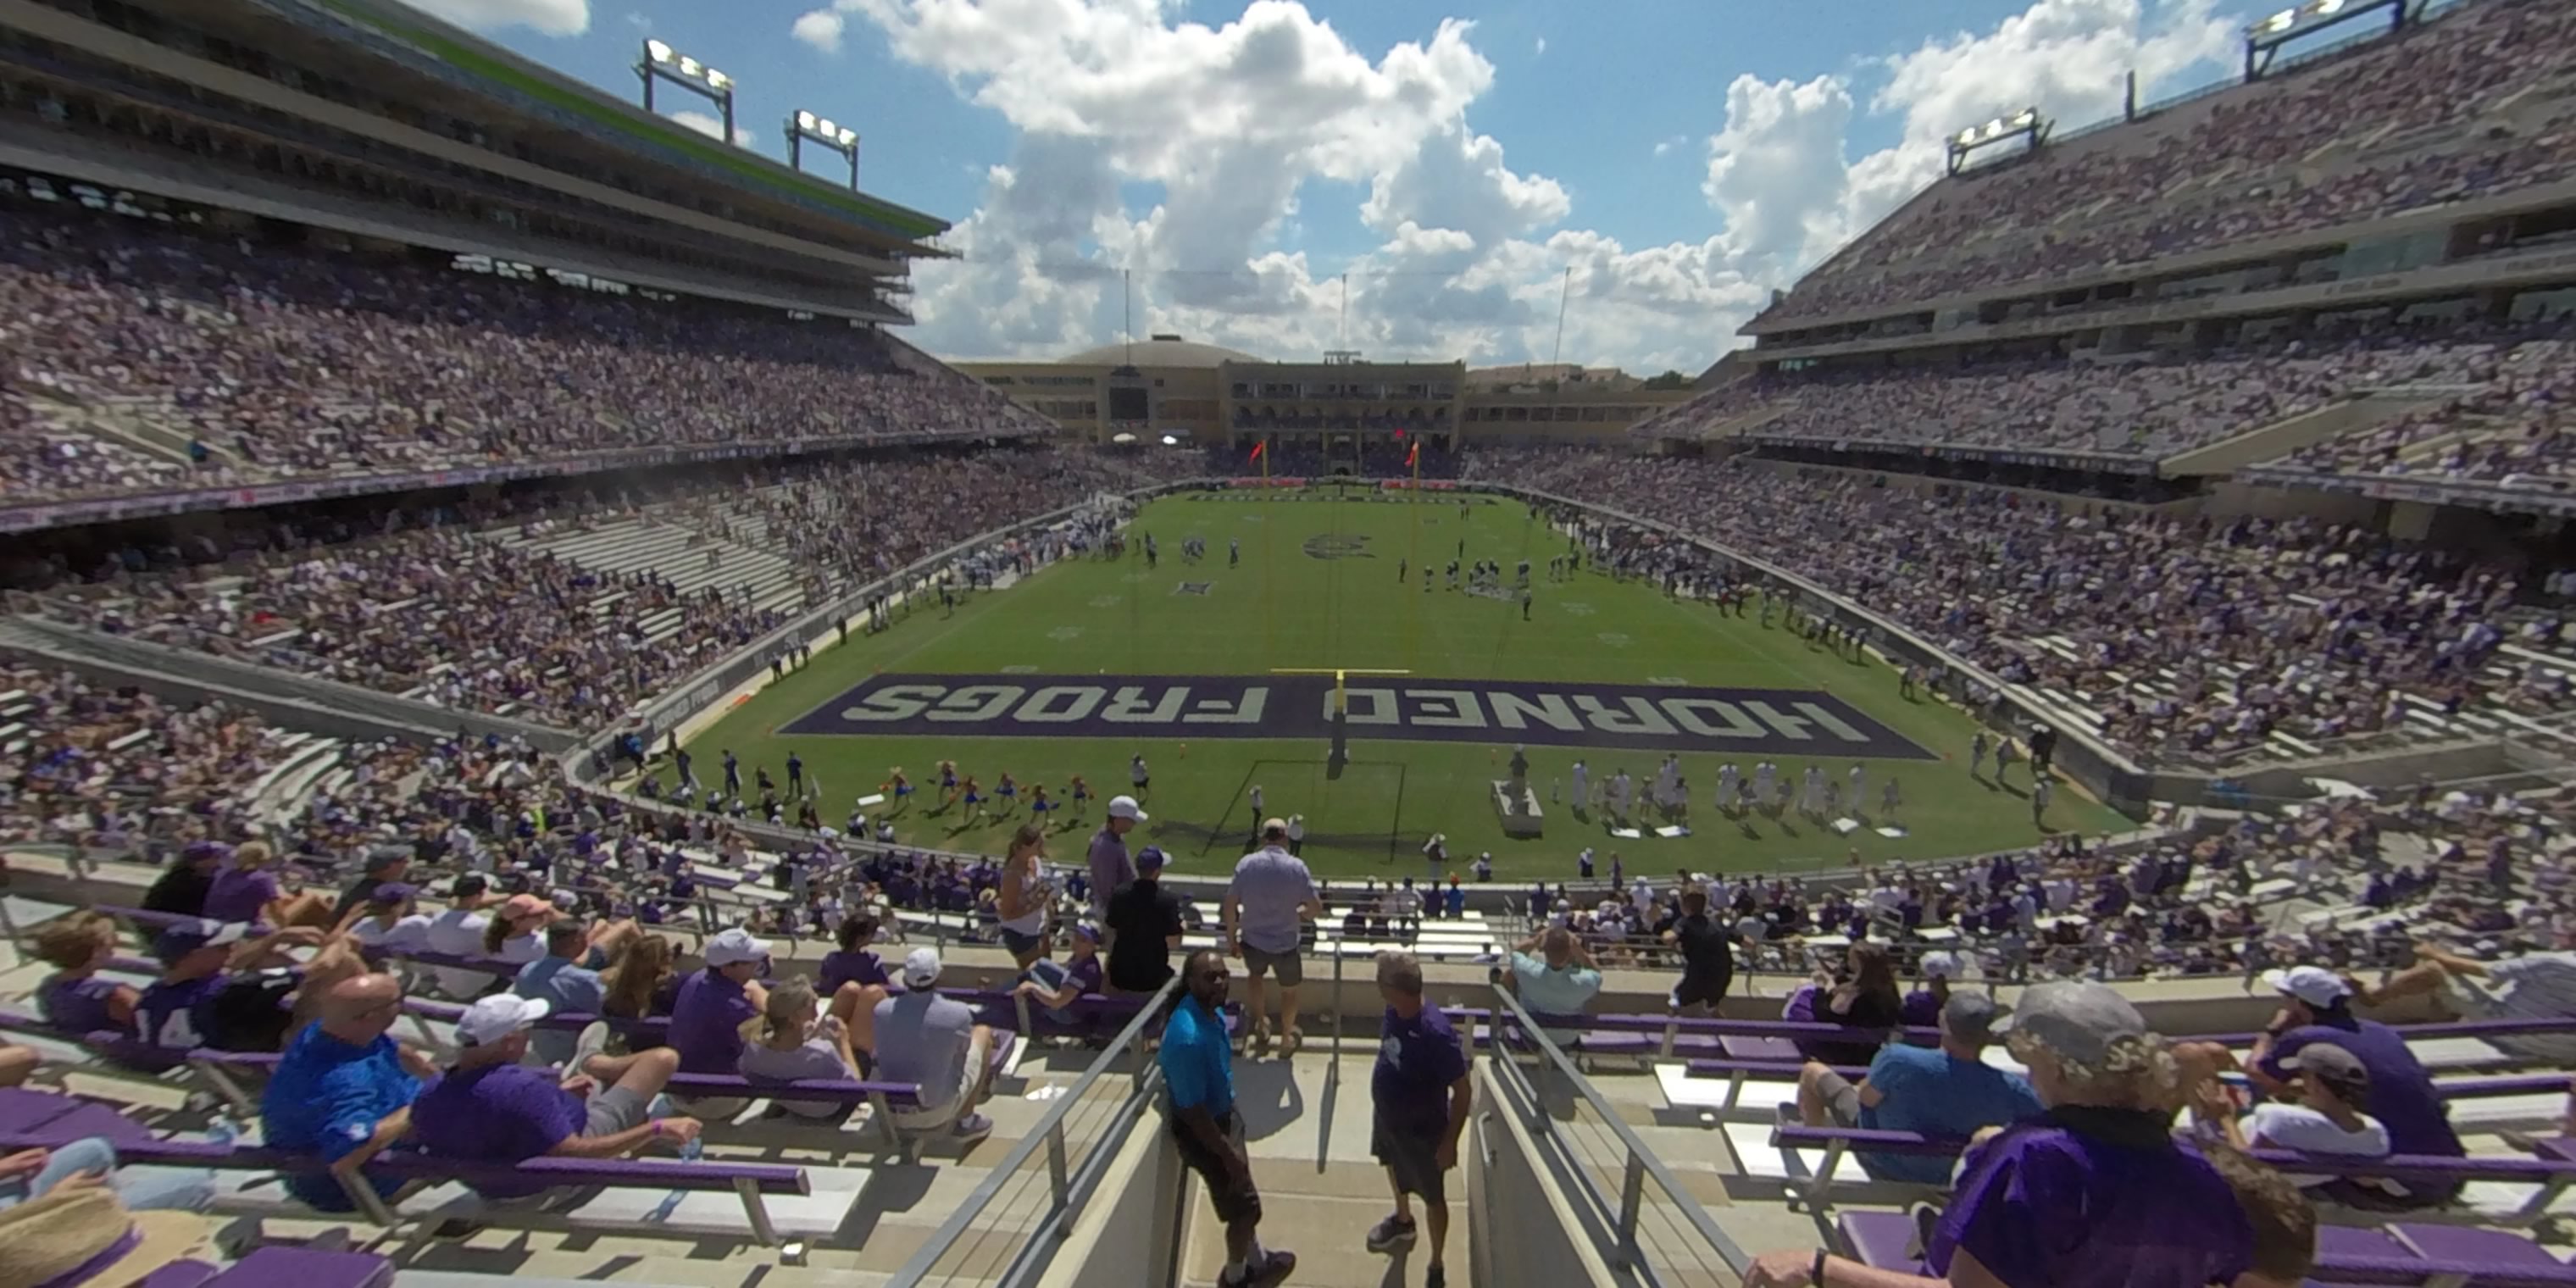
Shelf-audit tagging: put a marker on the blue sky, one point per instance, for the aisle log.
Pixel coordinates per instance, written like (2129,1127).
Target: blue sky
(1681,157)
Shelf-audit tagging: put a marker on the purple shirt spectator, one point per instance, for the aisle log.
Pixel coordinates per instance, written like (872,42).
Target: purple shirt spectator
(2094,1198)
(853,966)
(1417,1062)
(706,1023)
(77,1004)
(240,894)
(497,1113)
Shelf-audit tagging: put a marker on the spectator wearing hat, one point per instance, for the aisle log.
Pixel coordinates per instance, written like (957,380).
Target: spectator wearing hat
(182,887)
(1420,1097)
(384,863)
(1945,1091)
(389,923)
(1108,863)
(1057,987)
(1267,905)
(458,932)
(2096,1194)
(1144,925)
(343,1091)
(799,1040)
(75,996)
(935,1043)
(494,1107)
(1922,1007)
(2316,1006)
(202,961)
(244,889)
(713,1004)
(2332,1086)
(515,934)
(1198,1079)
(85,1234)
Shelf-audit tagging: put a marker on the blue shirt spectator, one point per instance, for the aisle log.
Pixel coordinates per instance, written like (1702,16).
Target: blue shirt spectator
(338,1083)
(1197,1060)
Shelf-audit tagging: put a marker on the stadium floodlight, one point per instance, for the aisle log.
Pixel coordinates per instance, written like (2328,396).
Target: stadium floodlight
(2265,37)
(2026,123)
(661,62)
(808,127)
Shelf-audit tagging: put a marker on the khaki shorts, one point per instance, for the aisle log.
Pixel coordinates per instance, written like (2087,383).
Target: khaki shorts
(979,1053)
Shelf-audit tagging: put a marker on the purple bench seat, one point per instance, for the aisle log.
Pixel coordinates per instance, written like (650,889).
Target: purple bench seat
(750,1181)
(2433,1256)
(2550,1175)
(270,1266)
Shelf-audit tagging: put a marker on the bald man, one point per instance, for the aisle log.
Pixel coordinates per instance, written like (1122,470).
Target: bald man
(343,1090)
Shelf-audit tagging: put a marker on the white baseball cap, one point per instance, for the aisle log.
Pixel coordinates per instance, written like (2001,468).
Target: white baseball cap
(1940,966)
(496,1017)
(2314,985)
(921,968)
(734,947)
(1125,807)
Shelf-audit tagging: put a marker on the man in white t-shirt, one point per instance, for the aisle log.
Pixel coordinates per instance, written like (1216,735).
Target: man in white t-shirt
(2333,1084)
(458,932)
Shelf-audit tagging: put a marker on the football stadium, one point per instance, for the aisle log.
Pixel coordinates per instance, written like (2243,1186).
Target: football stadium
(550,734)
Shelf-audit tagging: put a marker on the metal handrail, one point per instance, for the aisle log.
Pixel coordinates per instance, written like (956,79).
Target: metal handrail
(1642,1165)
(1071,1184)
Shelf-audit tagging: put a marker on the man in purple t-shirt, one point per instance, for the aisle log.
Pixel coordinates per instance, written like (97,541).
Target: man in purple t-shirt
(490,1108)
(2316,1006)
(712,1006)
(1421,1097)
(199,961)
(1109,866)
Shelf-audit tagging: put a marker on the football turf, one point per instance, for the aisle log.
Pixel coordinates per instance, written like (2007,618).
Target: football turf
(1317,588)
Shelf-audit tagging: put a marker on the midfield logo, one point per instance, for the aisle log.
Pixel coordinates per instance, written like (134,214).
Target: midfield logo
(1639,717)
(1329,546)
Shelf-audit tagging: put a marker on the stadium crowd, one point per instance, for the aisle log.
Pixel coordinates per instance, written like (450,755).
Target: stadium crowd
(2382,128)
(2155,407)
(445,614)
(277,360)
(2515,429)
(2186,637)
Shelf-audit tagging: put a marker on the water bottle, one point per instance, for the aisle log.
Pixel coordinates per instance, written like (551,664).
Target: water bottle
(692,1148)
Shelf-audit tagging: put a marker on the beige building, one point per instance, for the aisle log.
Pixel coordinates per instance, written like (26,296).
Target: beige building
(1343,407)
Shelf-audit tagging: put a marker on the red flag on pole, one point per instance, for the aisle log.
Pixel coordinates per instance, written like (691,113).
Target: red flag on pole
(1256,449)
(1413,457)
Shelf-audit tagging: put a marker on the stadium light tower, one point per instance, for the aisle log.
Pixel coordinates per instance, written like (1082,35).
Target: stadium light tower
(661,62)
(2264,39)
(805,126)
(2025,124)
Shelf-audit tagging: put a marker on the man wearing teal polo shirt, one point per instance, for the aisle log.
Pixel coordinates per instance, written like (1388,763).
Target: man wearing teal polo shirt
(1198,1072)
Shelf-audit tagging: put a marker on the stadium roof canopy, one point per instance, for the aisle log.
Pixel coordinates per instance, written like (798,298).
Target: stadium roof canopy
(1161,351)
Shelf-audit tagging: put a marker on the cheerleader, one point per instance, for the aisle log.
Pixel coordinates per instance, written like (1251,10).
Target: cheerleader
(900,786)
(1009,793)
(974,801)
(947,783)
(1039,805)
(1081,796)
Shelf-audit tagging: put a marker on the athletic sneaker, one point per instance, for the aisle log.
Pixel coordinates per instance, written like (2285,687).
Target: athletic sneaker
(593,1040)
(1435,1277)
(1273,1270)
(972,1127)
(1393,1232)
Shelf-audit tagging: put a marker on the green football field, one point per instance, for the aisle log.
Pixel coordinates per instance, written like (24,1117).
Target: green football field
(1318,588)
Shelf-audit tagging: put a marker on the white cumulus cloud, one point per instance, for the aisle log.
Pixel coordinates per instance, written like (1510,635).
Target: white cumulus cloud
(820,28)
(1227,128)
(550,17)
(713,127)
